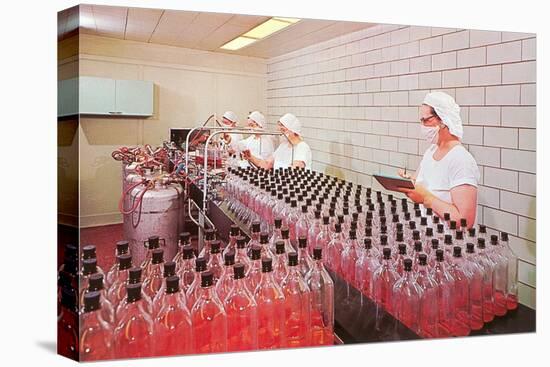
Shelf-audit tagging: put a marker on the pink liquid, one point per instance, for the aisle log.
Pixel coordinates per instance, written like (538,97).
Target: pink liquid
(320,334)
(429,314)
(511,302)
(67,334)
(500,303)
(210,328)
(133,335)
(173,332)
(242,322)
(297,320)
(488,304)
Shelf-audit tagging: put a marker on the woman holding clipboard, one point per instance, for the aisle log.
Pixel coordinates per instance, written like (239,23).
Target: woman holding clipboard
(447,178)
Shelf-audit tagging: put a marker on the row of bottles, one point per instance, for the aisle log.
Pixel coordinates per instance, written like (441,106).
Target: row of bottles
(242,297)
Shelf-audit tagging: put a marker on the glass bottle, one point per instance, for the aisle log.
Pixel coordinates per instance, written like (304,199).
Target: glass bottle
(335,248)
(186,267)
(313,231)
(285,235)
(398,264)
(476,288)
(500,276)
(117,290)
(192,292)
(95,284)
(483,260)
(271,311)
(255,270)
(297,305)
(241,256)
(153,274)
(276,235)
(234,232)
(209,236)
(462,319)
(366,265)
(215,262)
(407,298)
(325,234)
(280,269)
(512,292)
(122,248)
(383,281)
(242,314)
(321,287)
(445,295)
(169,271)
(305,262)
(67,322)
(184,240)
(96,334)
(152,243)
(225,283)
(209,319)
(429,310)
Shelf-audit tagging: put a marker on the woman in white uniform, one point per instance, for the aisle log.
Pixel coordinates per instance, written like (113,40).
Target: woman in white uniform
(447,177)
(229,119)
(292,152)
(260,146)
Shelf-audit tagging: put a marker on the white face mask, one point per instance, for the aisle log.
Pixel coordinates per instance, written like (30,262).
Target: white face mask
(430,133)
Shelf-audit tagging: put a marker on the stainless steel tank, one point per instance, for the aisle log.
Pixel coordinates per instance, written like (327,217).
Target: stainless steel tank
(158,215)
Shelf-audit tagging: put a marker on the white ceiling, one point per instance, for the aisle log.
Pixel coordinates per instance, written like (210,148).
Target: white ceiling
(199,30)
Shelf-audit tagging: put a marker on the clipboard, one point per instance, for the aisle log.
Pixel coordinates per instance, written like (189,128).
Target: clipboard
(393,183)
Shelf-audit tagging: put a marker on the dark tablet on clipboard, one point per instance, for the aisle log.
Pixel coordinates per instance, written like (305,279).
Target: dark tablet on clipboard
(393,183)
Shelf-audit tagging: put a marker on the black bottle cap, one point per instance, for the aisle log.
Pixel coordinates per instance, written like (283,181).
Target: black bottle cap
(340,218)
(69,298)
(352,235)
(134,275)
(402,248)
(407,264)
(293,204)
(457,251)
(470,248)
(332,211)
(395,218)
(459,235)
(185,237)
(209,234)
(264,238)
(463,222)
(267,264)
(207,279)
(422,259)
(447,217)
(368,231)
(407,216)
(153,242)
(416,235)
(188,252)
(440,228)
(399,236)
(292,259)
(200,264)
(429,231)
(124,261)
(229,258)
(439,255)
(95,282)
(423,221)
(241,242)
(133,292)
(326,220)
(317,253)
(89,266)
(215,247)
(412,224)
(417,246)
(285,232)
(169,269)
(317,214)
(367,242)
(238,271)
(70,251)
(302,242)
(158,256)
(355,216)
(383,240)
(338,228)
(304,208)
(452,224)
(435,243)
(448,239)
(88,252)
(91,301)
(435,220)
(504,236)
(122,247)
(416,206)
(417,213)
(429,211)
(255,227)
(279,247)
(172,284)
(386,252)
(471,232)
(234,230)
(256,252)
(494,239)
(482,228)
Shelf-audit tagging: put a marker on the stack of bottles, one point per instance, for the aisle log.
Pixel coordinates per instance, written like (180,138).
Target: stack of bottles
(246,295)
(434,274)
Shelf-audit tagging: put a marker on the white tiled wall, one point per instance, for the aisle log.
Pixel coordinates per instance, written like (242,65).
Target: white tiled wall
(358,96)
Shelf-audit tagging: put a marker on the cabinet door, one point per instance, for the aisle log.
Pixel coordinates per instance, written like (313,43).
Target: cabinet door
(67,97)
(134,97)
(97,96)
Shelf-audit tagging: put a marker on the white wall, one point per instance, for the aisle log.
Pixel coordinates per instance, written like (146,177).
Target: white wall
(358,96)
(190,85)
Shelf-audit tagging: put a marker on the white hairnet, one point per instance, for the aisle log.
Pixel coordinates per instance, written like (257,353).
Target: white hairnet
(258,118)
(292,123)
(448,111)
(231,116)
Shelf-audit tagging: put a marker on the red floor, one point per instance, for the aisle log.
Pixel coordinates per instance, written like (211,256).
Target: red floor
(104,238)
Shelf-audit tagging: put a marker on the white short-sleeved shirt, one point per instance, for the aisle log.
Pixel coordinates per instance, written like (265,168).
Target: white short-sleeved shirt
(456,168)
(235,139)
(261,147)
(283,155)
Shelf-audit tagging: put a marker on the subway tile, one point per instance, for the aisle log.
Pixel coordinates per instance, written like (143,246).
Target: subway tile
(398,129)
(520,160)
(380,127)
(523,249)
(519,204)
(503,95)
(372,141)
(527,228)
(429,80)
(421,64)
(504,52)
(381,156)
(437,31)
(522,72)
(373,85)
(480,115)
(388,143)
(500,137)
(456,78)
(519,116)
(473,96)
(456,41)
(488,196)
(485,156)
(431,46)
(420,32)
(365,99)
(527,296)
(388,113)
(527,183)
(373,57)
(389,83)
(471,57)
(527,273)
(528,94)
(399,67)
(408,82)
(500,220)
(408,146)
(382,40)
(408,50)
(500,178)
(409,114)
(416,97)
(512,36)
(381,99)
(399,98)
(382,69)
(444,61)
(486,75)
(527,139)
(473,135)
(390,53)
(482,38)
(529,49)
(372,113)
(400,36)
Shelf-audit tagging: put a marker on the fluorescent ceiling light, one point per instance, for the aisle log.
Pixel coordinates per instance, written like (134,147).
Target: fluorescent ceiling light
(259,32)
(238,43)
